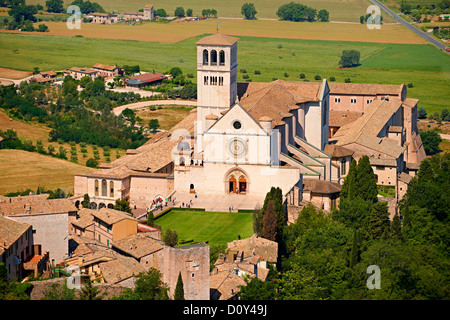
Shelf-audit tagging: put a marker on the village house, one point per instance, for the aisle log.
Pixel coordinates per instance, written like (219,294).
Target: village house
(107,71)
(78,73)
(49,218)
(250,257)
(44,77)
(104,18)
(192,261)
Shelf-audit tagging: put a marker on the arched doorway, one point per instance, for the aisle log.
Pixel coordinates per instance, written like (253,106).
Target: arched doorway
(236,181)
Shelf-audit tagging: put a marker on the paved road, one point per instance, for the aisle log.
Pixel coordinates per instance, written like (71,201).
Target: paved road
(408,25)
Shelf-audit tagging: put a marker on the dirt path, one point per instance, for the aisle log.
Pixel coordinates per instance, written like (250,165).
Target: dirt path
(118,110)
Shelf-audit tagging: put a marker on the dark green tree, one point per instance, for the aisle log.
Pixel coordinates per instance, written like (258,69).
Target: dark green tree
(366,185)
(170,237)
(349,58)
(379,224)
(56,6)
(122,205)
(153,124)
(86,201)
(269,230)
(431,140)
(149,286)
(323,15)
(179,289)
(248,10)
(89,292)
(348,189)
(396,228)
(179,12)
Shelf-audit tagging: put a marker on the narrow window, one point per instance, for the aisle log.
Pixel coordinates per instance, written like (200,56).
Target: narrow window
(221,57)
(111,189)
(104,189)
(213,57)
(205,57)
(96,187)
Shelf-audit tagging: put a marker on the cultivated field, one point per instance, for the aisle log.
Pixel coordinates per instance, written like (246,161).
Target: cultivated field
(36,131)
(426,67)
(21,170)
(167,116)
(340,10)
(217,228)
(174,32)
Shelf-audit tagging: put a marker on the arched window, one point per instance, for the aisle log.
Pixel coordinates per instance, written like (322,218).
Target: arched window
(182,161)
(213,57)
(221,57)
(111,189)
(191,186)
(104,189)
(96,187)
(205,56)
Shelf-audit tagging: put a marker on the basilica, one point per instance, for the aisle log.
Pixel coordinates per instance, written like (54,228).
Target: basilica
(246,137)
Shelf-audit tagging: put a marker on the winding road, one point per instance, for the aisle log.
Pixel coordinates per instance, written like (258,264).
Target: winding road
(408,25)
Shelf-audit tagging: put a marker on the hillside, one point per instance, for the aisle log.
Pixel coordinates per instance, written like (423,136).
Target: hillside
(21,170)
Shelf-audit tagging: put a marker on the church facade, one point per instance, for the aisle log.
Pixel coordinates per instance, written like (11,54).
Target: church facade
(240,141)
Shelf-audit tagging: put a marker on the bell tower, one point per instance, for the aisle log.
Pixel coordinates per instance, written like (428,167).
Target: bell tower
(216,76)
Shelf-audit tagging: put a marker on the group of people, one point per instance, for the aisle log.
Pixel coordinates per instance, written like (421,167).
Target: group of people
(186,205)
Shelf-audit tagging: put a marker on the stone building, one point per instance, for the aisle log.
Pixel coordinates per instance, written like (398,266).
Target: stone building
(192,261)
(244,138)
(49,218)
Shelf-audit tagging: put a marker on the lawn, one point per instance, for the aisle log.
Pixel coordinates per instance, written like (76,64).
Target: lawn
(21,170)
(217,228)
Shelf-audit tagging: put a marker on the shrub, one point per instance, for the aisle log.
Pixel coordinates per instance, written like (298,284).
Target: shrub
(280,46)
(302,76)
(286,74)
(332,79)
(257,72)
(317,77)
(348,80)
(245,76)
(92,163)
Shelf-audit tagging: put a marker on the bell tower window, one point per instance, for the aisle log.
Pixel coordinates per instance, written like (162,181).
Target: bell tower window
(221,58)
(213,57)
(205,57)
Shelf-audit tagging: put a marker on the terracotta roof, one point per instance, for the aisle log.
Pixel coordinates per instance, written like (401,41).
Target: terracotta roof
(37,207)
(321,186)
(383,162)
(267,250)
(48,73)
(120,269)
(24,199)
(224,285)
(111,216)
(365,129)
(145,78)
(365,89)
(337,151)
(10,231)
(83,70)
(139,245)
(410,102)
(85,218)
(148,6)
(404,177)
(104,67)
(340,118)
(218,39)
(276,99)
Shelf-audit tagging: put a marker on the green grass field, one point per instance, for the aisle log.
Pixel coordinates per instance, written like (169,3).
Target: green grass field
(426,67)
(217,228)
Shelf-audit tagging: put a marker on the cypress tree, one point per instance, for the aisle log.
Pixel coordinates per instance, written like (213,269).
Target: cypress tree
(86,201)
(270,222)
(179,289)
(426,172)
(366,186)
(354,253)
(349,186)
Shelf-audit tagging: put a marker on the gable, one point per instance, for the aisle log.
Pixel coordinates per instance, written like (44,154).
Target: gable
(236,113)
